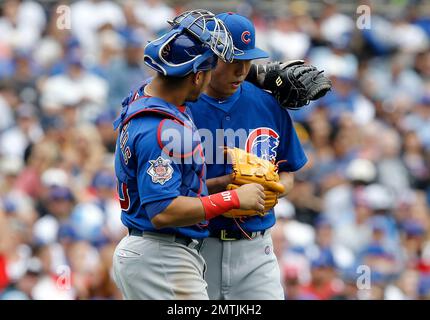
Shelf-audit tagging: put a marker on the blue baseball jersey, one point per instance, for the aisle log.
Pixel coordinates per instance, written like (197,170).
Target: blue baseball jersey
(250,119)
(150,175)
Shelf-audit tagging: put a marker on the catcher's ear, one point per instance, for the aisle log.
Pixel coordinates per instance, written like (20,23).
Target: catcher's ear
(198,77)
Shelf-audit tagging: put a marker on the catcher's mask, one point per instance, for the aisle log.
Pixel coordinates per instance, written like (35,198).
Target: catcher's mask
(195,42)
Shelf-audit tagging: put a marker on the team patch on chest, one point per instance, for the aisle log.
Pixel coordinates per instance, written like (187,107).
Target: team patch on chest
(263,142)
(160,170)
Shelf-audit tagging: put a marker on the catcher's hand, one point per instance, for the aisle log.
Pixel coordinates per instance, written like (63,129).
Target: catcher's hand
(293,84)
(248,168)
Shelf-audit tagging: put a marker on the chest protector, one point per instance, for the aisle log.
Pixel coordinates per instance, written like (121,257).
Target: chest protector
(177,136)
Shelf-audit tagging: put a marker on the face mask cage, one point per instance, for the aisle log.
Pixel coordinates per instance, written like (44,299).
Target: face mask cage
(208,29)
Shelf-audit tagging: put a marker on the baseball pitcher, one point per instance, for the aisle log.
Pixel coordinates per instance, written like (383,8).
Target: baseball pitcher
(239,251)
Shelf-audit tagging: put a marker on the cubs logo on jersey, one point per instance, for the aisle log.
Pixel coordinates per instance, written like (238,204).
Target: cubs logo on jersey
(263,142)
(160,170)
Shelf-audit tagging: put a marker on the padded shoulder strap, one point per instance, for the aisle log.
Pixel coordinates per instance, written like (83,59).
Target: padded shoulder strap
(177,139)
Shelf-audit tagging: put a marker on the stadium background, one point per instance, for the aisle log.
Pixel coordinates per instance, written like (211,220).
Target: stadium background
(355,226)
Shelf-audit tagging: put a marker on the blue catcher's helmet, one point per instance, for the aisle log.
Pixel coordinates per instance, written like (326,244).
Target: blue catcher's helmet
(194,43)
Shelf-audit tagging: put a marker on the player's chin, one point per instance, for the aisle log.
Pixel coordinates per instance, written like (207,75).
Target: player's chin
(232,88)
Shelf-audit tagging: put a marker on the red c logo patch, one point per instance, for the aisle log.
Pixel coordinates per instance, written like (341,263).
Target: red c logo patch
(246,37)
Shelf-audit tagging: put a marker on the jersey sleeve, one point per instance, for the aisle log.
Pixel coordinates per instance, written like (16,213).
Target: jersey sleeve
(291,149)
(158,176)
(156,207)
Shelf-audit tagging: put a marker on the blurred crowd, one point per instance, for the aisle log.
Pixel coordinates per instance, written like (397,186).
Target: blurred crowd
(355,226)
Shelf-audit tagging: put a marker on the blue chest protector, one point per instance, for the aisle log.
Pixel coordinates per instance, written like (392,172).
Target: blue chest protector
(158,158)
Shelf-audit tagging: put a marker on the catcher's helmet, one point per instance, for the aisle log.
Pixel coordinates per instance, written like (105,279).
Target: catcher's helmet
(193,44)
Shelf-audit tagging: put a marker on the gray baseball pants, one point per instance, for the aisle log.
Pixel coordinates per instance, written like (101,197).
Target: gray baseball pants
(156,267)
(242,269)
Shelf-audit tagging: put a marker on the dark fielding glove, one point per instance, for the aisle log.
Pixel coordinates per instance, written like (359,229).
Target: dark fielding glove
(293,84)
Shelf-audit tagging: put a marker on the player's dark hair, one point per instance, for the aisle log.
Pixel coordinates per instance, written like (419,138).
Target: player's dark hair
(172,82)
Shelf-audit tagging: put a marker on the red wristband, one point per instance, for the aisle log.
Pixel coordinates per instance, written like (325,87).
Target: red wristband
(219,203)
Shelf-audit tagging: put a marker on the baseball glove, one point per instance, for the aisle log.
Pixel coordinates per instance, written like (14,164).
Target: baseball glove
(248,168)
(293,84)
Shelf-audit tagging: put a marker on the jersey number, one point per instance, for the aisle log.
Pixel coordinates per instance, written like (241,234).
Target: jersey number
(124,198)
